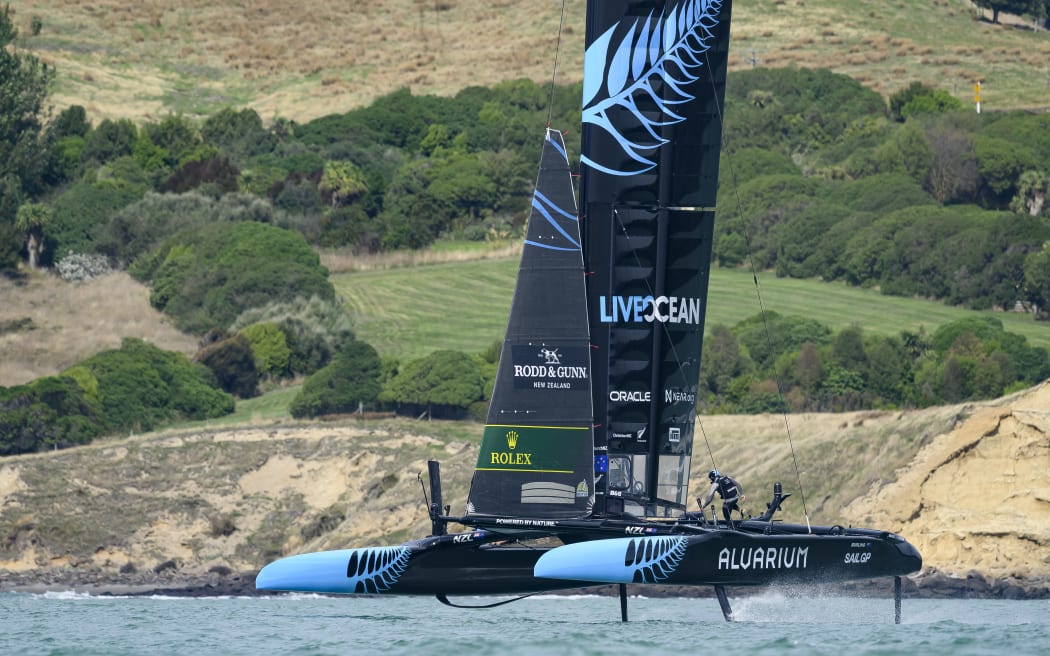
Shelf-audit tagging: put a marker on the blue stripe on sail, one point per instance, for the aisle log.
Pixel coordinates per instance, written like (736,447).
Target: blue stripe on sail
(549,246)
(547,201)
(558,147)
(550,219)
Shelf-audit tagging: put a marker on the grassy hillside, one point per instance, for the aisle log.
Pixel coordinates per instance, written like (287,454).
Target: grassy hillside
(312,58)
(409,312)
(463,305)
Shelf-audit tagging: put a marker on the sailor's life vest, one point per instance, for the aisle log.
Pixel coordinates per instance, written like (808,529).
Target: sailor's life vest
(729,489)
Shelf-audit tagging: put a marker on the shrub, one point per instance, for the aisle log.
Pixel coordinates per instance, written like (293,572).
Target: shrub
(207,277)
(233,364)
(239,133)
(324,523)
(144,225)
(217,175)
(449,380)
(110,140)
(314,329)
(79,267)
(350,382)
(785,334)
(176,136)
(71,122)
(82,211)
(269,347)
(141,386)
(49,412)
(65,159)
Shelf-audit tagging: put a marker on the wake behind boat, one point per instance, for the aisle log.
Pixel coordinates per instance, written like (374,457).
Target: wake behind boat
(583,471)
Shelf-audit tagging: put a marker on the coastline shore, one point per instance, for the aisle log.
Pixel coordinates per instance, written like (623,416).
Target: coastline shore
(928,584)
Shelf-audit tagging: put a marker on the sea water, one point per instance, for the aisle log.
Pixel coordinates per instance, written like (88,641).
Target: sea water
(768,623)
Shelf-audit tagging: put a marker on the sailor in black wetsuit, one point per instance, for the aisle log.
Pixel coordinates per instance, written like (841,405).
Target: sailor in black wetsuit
(728,489)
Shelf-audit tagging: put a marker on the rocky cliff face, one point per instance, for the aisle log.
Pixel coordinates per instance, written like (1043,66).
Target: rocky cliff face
(968,485)
(977,498)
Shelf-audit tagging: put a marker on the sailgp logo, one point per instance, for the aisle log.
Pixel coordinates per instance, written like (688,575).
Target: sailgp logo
(638,309)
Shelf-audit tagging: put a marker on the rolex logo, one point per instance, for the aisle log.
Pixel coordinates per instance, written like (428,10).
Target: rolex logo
(512,439)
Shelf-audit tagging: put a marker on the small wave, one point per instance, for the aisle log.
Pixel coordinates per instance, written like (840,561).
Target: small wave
(70,595)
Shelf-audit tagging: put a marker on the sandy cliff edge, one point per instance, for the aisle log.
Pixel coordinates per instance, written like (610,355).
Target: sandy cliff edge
(977,499)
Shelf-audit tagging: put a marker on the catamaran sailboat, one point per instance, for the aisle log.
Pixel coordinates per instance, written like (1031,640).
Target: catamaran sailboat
(583,472)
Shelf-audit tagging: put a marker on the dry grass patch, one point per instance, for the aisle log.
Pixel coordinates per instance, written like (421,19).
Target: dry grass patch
(142,60)
(71,322)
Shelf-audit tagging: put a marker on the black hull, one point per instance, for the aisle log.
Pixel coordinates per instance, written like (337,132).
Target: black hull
(477,563)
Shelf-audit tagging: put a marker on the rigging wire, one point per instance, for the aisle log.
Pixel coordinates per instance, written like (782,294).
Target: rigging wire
(667,332)
(554,73)
(758,293)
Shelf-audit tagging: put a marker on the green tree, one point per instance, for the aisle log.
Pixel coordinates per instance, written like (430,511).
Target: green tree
(906,151)
(901,98)
(206,277)
(723,360)
(348,384)
(955,379)
(176,136)
(71,122)
(270,348)
(50,412)
(110,140)
(889,368)
(847,349)
(232,362)
(767,338)
(1016,7)
(1001,163)
(446,380)
(953,171)
(1032,188)
(1037,281)
(141,387)
(10,240)
(315,329)
(341,182)
(83,209)
(809,368)
(919,98)
(32,220)
(24,87)
(239,133)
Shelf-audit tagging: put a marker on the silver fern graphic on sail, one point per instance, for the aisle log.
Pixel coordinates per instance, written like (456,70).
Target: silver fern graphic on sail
(667,48)
(548,210)
(654,559)
(561,232)
(376,569)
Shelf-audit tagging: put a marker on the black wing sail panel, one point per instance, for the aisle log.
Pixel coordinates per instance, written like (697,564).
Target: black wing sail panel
(654,82)
(536,457)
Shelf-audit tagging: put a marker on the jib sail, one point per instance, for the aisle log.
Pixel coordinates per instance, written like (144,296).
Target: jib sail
(654,83)
(536,453)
